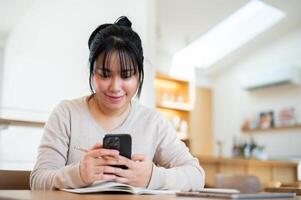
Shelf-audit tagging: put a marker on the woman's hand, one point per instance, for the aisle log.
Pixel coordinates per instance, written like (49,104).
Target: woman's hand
(95,164)
(138,173)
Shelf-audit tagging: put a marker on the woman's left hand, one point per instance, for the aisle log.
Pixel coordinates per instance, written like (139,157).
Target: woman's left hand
(138,173)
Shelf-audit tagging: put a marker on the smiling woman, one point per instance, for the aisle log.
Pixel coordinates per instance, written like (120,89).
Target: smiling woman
(116,77)
(115,86)
(118,71)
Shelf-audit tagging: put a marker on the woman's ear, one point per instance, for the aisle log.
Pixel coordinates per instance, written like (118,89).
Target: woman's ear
(93,82)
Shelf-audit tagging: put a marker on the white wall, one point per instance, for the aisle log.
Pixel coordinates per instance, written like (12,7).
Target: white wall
(18,147)
(1,71)
(232,104)
(46,61)
(46,57)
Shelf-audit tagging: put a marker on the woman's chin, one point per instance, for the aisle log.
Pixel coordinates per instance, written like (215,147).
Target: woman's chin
(116,105)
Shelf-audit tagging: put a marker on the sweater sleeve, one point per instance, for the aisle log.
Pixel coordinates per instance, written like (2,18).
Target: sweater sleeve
(174,167)
(50,170)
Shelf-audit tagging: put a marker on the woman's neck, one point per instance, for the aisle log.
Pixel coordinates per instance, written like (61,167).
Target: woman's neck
(109,112)
(108,119)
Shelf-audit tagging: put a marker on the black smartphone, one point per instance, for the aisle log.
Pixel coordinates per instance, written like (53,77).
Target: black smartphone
(120,142)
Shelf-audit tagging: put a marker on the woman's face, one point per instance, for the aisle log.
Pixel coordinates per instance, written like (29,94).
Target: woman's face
(113,91)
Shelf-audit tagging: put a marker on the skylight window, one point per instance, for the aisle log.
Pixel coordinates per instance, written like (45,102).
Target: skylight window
(249,21)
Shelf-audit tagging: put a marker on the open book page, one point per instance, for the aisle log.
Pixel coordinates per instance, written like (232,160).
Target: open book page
(102,186)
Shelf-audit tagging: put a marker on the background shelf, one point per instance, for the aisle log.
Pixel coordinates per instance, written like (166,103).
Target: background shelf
(14,122)
(258,130)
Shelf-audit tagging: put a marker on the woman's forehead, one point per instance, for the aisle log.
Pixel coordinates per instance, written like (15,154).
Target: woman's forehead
(114,59)
(112,56)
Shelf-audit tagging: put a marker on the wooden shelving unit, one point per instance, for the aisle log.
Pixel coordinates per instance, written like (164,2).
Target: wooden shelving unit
(14,122)
(268,171)
(174,100)
(258,130)
(175,106)
(177,98)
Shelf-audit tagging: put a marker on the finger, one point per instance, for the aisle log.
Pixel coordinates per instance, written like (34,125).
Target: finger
(106,170)
(109,157)
(103,152)
(105,177)
(125,173)
(127,162)
(138,157)
(121,180)
(109,161)
(108,177)
(96,146)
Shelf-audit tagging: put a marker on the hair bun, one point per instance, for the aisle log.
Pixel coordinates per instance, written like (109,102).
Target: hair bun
(123,21)
(94,33)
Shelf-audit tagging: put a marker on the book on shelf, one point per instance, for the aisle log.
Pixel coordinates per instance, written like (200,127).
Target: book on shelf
(105,186)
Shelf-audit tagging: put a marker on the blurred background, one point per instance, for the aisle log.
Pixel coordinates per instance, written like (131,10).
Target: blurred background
(226,74)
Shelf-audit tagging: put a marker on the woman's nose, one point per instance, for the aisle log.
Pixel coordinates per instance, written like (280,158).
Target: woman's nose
(115,84)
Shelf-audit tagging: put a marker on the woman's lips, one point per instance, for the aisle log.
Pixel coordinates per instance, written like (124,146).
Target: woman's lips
(115,99)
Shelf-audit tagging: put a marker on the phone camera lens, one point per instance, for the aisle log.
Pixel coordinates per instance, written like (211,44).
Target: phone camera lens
(112,143)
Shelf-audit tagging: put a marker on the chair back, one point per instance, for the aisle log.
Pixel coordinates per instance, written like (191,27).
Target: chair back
(14,180)
(243,183)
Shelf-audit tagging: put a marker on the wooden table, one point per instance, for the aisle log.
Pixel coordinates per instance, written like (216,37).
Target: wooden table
(59,195)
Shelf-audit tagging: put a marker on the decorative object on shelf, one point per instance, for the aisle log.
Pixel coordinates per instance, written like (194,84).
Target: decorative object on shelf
(175,120)
(266,119)
(220,147)
(180,99)
(251,122)
(183,126)
(285,118)
(180,126)
(236,149)
(183,130)
(248,149)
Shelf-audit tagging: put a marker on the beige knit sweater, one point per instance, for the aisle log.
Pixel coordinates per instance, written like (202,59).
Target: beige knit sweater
(71,124)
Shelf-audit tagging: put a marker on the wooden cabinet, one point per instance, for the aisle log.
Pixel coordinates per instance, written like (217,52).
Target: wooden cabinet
(174,99)
(268,172)
(201,123)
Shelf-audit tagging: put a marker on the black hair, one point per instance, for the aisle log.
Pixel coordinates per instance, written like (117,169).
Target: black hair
(121,38)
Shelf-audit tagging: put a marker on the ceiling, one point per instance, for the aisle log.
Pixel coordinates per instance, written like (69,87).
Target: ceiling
(181,22)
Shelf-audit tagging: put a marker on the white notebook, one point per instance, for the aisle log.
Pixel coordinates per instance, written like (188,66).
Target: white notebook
(101,186)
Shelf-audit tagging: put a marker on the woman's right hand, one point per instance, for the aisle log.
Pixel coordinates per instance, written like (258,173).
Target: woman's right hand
(97,164)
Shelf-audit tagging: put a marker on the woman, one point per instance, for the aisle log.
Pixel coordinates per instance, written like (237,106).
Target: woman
(160,160)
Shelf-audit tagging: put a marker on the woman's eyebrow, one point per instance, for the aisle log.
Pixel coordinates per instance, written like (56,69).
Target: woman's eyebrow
(102,68)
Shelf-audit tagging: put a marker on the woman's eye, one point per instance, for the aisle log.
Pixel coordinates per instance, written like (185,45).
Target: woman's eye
(126,74)
(102,73)
(104,76)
